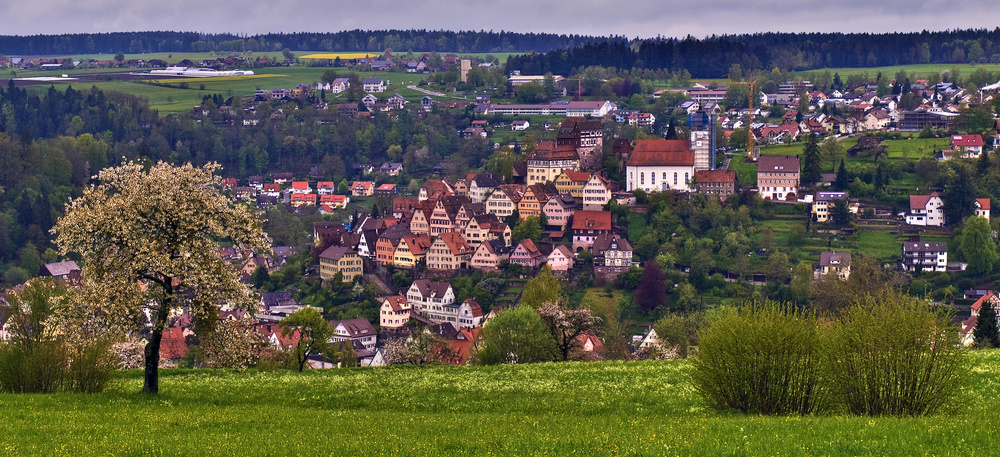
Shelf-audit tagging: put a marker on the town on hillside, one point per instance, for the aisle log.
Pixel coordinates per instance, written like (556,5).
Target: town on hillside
(632,203)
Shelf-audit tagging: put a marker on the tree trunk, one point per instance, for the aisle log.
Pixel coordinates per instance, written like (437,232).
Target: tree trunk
(151,384)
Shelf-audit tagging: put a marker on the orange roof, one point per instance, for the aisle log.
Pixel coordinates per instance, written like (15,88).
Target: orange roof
(300,185)
(662,152)
(979,303)
(592,220)
(577,176)
(398,302)
(920,201)
(984,203)
(703,176)
(325,185)
(418,244)
(456,243)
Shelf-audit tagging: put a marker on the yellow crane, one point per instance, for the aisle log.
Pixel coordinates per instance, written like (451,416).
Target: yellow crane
(751,152)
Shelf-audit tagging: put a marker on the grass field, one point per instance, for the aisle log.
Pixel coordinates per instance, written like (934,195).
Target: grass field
(922,70)
(611,408)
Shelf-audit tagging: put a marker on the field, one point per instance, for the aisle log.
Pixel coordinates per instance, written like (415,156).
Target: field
(181,94)
(613,408)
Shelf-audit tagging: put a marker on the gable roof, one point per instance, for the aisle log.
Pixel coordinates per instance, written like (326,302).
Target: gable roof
(356,328)
(60,268)
(661,152)
(706,176)
(984,203)
(592,220)
(781,164)
(335,252)
(427,288)
(920,201)
(397,302)
(967,140)
(603,242)
(827,259)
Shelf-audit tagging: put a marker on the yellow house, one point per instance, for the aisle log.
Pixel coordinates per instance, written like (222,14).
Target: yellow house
(411,250)
(823,203)
(572,182)
(340,259)
(548,160)
(535,197)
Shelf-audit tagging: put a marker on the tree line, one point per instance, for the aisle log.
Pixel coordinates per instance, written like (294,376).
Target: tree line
(418,40)
(711,57)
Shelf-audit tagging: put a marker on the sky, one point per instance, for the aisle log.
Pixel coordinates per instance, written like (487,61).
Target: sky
(639,18)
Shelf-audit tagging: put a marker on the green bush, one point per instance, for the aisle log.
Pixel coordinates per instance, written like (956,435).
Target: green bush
(36,368)
(760,358)
(895,355)
(92,367)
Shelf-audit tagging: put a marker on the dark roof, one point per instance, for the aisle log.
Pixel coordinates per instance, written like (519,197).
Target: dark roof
(428,288)
(604,241)
(59,268)
(781,164)
(356,327)
(335,252)
(827,259)
(924,246)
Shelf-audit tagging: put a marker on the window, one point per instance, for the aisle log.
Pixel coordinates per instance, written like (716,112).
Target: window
(675,178)
(642,179)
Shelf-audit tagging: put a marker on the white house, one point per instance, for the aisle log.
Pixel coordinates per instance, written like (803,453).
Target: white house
(358,329)
(926,256)
(374,85)
(519,125)
(983,207)
(658,165)
(926,210)
(425,294)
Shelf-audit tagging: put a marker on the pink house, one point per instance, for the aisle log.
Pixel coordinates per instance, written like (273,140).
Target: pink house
(526,254)
(561,259)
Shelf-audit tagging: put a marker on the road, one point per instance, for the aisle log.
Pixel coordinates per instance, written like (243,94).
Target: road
(436,94)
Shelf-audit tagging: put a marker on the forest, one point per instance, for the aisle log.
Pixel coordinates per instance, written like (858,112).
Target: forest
(712,57)
(346,41)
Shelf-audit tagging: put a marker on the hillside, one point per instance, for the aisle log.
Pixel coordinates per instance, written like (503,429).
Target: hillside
(611,408)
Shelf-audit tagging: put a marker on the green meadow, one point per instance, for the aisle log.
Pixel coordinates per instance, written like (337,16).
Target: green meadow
(609,408)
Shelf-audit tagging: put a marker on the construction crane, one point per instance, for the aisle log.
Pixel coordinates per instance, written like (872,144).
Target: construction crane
(752,153)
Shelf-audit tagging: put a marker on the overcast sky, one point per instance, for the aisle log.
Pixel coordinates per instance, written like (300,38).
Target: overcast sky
(641,18)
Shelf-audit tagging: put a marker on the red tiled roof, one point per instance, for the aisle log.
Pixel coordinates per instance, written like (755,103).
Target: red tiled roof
(398,302)
(966,140)
(979,303)
(592,220)
(661,152)
(577,176)
(703,176)
(984,203)
(920,201)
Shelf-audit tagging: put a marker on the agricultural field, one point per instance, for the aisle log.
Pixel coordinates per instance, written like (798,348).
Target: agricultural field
(922,70)
(602,408)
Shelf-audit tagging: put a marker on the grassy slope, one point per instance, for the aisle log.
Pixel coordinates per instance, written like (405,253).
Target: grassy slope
(642,408)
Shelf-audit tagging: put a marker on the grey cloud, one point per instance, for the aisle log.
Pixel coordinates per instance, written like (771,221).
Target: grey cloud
(642,18)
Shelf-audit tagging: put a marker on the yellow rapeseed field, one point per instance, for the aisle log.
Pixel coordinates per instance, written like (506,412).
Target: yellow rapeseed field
(342,55)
